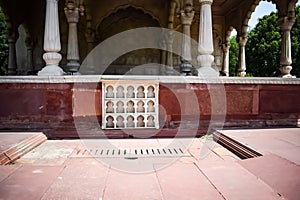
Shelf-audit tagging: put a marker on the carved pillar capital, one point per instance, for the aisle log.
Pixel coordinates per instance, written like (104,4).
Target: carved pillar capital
(187,15)
(72,13)
(286,23)
(242,40)
(206,2)
(226,46)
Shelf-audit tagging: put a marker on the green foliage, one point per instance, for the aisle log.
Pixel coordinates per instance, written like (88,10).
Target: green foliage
(263,48)
(233,57)
(3,45)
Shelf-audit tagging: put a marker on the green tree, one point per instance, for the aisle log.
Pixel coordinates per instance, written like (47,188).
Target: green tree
(233,56)
(264,47)
(3,45)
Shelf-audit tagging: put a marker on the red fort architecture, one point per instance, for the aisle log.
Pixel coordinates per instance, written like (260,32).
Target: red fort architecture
(57,84)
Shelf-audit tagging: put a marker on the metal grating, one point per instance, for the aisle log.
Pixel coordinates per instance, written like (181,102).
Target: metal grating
(128,153)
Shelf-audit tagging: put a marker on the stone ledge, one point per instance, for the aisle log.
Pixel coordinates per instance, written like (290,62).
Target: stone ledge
(161,79)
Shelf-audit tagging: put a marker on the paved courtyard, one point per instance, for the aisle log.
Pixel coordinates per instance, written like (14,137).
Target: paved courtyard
(104,169)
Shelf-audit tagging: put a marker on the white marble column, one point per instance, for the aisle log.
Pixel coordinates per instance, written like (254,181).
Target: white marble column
(72,15)
(225,68)
(12,58)
(242,40)
(186,17)
(51,41)
(285,24)
(205,46)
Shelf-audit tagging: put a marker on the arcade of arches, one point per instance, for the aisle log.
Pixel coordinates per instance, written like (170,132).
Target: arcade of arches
(46,36)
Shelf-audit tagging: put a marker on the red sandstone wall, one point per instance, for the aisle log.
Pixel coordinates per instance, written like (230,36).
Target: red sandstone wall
(52,107)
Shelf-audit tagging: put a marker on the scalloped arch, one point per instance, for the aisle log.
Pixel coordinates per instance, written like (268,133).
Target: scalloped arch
(123,7)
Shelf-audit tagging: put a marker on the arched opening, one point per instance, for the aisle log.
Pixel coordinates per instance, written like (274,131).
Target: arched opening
(264,42)
(263,8)
(233,53)
(254,43)
(126,19)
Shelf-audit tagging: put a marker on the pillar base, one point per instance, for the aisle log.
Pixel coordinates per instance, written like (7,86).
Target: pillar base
(12,71)
(186,68)
(285,72)
(287,76)
(241,74)
(207,72)
(51,70)
(73,66)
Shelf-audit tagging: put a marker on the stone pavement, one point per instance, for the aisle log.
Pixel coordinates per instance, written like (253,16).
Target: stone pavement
(83,169)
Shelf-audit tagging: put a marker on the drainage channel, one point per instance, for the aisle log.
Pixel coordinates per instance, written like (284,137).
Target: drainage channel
(239,149)
(128,152)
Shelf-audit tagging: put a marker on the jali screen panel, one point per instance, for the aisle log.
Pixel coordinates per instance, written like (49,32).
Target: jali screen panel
(130,104)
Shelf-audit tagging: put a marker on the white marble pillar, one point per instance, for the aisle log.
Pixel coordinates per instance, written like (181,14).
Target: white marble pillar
(205,45)
(12,58)
(242,40)
(72,15)
(285,24)
(51,41)
(186,17)
(225,68)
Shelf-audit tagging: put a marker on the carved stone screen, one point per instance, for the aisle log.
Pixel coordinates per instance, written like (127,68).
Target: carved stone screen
(130,104)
